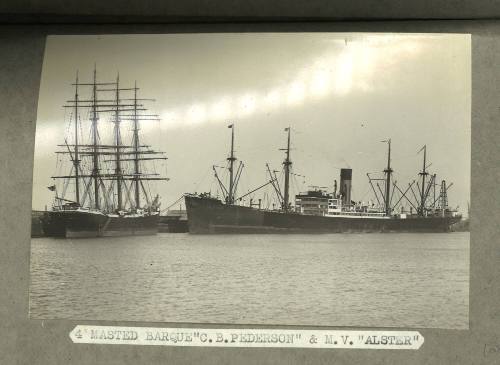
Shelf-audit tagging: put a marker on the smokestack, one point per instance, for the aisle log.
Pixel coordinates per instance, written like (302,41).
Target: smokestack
(345,185)
(334,189)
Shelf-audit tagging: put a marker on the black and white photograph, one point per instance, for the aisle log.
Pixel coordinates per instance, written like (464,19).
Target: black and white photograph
(312,179)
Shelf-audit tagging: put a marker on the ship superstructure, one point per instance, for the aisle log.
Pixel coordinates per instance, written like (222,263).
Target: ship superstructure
(104,188)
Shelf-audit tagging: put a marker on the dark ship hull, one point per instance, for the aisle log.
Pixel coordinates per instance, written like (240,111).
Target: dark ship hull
(78,224)
(208,215)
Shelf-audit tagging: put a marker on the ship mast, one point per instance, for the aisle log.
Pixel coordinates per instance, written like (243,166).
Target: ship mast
(231,159)
(95,157)
(136,150)
(118,170)
(423,173)
(76,161)
(287,163)
(388,171)
(117,106)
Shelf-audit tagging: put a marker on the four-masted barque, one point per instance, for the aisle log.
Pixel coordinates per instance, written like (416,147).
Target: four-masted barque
(106,191)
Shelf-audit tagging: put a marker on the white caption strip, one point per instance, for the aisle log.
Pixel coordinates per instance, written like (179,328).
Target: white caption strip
(236,337)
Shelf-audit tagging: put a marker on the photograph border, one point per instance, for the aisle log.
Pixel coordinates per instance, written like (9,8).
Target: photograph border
(47,341)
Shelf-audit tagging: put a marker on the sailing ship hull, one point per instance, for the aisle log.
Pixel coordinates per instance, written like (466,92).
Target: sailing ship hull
(79,224)
(208,215)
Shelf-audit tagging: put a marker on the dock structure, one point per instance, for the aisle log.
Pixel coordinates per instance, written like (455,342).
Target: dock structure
(36,223)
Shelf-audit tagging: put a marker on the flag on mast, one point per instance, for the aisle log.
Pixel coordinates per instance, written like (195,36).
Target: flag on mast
(230,125)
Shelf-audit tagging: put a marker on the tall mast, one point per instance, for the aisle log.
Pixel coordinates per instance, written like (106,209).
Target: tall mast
(117,106)
(76,160)
(424,173)
(95,159)
(136,150)
(388,171)
(118,170)
(443,196)
(287,163)
(231,159)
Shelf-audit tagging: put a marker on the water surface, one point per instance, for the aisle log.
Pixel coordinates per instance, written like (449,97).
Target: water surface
(386,280)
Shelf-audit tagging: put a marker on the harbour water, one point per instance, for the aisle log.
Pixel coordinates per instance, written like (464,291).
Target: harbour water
(383,280)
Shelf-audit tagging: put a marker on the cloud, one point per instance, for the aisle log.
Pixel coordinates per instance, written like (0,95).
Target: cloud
(346,67)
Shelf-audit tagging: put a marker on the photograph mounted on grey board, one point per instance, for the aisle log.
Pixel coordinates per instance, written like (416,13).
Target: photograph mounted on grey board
(254,178)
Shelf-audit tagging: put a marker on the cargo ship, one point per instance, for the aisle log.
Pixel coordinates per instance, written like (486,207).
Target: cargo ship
(319,211)
(107,190)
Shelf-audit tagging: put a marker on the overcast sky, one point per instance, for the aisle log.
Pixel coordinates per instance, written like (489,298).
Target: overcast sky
(342,94)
